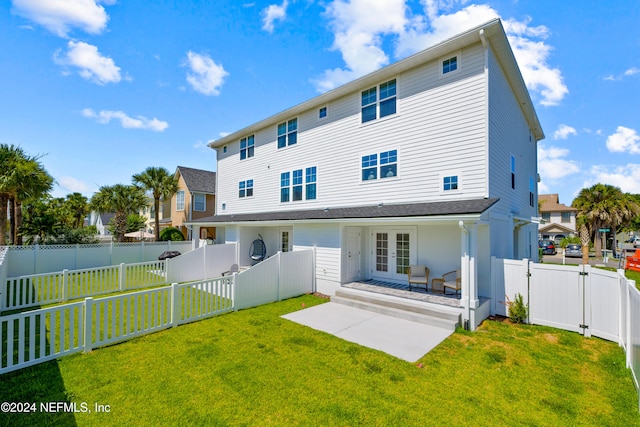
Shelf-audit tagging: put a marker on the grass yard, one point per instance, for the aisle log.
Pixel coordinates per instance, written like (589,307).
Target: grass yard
(254,368)
(633,275)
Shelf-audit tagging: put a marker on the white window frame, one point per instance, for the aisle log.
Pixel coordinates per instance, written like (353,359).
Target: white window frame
(249,150)
(378,101)
(449,174)
(288,133)
(180,203)
(326,109)
(303,184)
(246,188)
(458,56)
(378,166)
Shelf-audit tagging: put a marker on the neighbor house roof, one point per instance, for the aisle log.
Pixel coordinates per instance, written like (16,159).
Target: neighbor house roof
(198,180)
(556,228)
(458,207)
(490,32)
(551,203)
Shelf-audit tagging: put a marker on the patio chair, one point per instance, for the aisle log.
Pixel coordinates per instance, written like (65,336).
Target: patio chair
(418,275)
(451,280)
(233,269)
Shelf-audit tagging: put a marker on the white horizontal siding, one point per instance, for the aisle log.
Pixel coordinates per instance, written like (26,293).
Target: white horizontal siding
(509,134)
(325,239)
(439,129)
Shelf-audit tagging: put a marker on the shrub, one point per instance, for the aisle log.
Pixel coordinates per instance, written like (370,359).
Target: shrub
(518,311)
(172,234)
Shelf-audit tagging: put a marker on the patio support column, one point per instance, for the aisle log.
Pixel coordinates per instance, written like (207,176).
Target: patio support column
(468,270)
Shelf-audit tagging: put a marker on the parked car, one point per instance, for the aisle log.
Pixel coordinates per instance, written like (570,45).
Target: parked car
(547,246)
(573,250)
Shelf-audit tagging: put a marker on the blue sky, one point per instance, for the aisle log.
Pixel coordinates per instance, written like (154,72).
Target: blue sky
(105,88)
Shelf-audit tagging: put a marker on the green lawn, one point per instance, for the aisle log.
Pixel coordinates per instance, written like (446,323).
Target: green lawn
(254,368)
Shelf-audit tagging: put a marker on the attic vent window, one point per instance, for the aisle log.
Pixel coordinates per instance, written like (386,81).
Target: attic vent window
(449,65)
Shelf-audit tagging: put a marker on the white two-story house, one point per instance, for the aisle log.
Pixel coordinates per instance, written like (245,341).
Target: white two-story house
(430,160)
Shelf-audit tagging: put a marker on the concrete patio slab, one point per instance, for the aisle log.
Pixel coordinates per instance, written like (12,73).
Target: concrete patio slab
(400,338)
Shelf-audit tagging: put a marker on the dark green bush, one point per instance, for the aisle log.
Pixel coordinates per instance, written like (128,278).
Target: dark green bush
(172,234)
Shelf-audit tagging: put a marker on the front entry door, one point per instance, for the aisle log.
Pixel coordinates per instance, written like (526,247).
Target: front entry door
(394,251)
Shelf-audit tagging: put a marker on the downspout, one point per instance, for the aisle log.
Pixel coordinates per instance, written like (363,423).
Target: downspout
(485,45)
(466,273)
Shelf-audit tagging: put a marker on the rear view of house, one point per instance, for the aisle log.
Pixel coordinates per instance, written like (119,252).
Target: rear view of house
(429,161)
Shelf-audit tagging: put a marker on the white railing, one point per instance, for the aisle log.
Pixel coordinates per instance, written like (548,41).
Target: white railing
(39,335)
(26,260)
(48,288)
(582,299)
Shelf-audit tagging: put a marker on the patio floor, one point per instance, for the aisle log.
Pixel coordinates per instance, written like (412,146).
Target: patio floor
(402,291)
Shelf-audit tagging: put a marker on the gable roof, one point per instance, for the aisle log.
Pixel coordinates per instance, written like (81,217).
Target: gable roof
(198,180)
(458,207)
(490,32)
(551,203)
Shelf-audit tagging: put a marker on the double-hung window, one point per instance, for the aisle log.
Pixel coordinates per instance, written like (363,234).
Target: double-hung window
(199,202)
(298,185)
(310,182)
(288,133)
(565,216)
(245,188)
(374,107)
(386,168)
(180,200)
(247,147)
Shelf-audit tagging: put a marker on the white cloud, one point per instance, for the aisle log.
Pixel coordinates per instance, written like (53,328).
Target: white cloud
(60,16)
(564,131)
(206,76)
(360,25)
(139,122)
(624,140)
(626,177)
(631,71)
(72,184)
(90,63)
(273,13)
(553,165)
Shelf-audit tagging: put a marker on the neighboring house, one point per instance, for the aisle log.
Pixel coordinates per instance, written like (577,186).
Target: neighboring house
(558,220)
(101,221)
(431,160)
(194,200)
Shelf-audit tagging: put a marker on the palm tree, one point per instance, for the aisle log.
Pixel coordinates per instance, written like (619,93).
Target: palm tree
(604,206)
(120,199)
(32,182)
(161,183)
(78,207)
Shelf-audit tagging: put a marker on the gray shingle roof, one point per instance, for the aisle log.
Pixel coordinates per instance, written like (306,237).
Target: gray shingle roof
(198,180)
(459,207)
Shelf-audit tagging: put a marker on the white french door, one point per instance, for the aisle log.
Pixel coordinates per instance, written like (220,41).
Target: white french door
(286,241)
(393,251)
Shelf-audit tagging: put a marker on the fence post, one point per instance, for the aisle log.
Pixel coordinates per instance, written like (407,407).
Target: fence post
(279,255)
(234,287)
(586,299)
(629,347)
(175,320)
(88,324)
(122,277)
(65,285)
(75,256)
(204,263)
(35,258)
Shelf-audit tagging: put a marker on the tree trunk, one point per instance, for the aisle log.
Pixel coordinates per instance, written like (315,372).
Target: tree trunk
(120,225)
(597,242)
(17,234)
(4,199)
(12,221)
(156,218)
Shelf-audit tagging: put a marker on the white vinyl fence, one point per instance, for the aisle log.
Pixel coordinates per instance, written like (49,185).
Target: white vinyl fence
(48,288)
(284,275)
(36,336)
(587,300)
(36,259)
(206,261)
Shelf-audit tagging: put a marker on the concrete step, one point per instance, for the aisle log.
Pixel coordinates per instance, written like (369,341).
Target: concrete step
(397,307)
